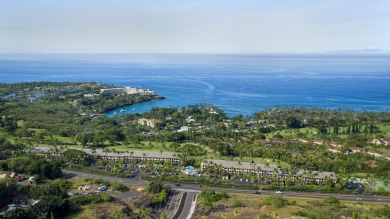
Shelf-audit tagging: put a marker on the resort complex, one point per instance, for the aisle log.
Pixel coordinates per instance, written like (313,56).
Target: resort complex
(224,169)
(128,156)
(267,172)
(127,90)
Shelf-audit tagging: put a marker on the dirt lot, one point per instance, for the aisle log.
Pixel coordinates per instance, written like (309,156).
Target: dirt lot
(122,196)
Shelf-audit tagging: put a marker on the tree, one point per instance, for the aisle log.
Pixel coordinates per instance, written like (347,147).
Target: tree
(45,169)
(77,156)
(163,196)
(7,186)
(293,122)
(83,138)
(154,187)
(145,213)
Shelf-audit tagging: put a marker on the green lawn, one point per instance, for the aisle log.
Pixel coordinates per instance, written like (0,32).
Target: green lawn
(385,129)
(312,132)
(7,136)
(20,123)
(360,175)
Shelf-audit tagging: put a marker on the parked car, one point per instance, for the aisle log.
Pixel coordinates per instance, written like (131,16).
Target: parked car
(102,188)
(257,191)
(12,207)
(279,192)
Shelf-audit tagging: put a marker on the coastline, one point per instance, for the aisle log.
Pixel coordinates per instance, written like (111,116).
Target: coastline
(139,107)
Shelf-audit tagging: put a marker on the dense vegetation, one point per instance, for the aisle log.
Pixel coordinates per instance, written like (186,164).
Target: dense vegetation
(208,197)
(29,164)
(158,192)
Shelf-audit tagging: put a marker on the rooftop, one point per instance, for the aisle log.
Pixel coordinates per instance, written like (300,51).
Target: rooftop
(132,153)
(240,165)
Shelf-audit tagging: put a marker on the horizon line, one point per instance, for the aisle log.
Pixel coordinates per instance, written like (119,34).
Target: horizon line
(199,53)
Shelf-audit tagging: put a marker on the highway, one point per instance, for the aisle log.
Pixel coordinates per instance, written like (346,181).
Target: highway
(191,190)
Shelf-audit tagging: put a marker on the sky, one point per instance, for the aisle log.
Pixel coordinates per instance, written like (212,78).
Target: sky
(193,26)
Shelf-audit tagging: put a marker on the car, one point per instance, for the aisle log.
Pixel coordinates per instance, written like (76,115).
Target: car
(358,198)
(279,192)
(102,188)
(97,192)
(257,191)
(177,184)
(12,207)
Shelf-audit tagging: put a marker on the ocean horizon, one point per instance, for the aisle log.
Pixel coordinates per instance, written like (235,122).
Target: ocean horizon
(236,83)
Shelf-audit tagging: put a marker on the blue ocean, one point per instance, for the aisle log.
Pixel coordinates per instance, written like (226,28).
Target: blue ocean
(239,84)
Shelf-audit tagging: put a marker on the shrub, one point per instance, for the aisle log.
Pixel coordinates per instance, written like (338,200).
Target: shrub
(276,201)
(237,204)
(331,200)
(209,196)
(119,187)
(91,199)
(300,213)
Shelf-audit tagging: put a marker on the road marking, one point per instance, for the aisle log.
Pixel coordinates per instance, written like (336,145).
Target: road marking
(193,205)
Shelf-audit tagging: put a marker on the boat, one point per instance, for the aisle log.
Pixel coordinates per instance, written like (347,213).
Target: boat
(123,110)
(115,113)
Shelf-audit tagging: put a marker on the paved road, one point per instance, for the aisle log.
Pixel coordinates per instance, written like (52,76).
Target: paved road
(196,188)
(127,181)
(189,206)
(170,210)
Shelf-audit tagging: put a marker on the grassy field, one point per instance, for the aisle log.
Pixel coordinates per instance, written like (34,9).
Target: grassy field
(360,175)
(104,210)
(385,129)
(254,208)
(312,132)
